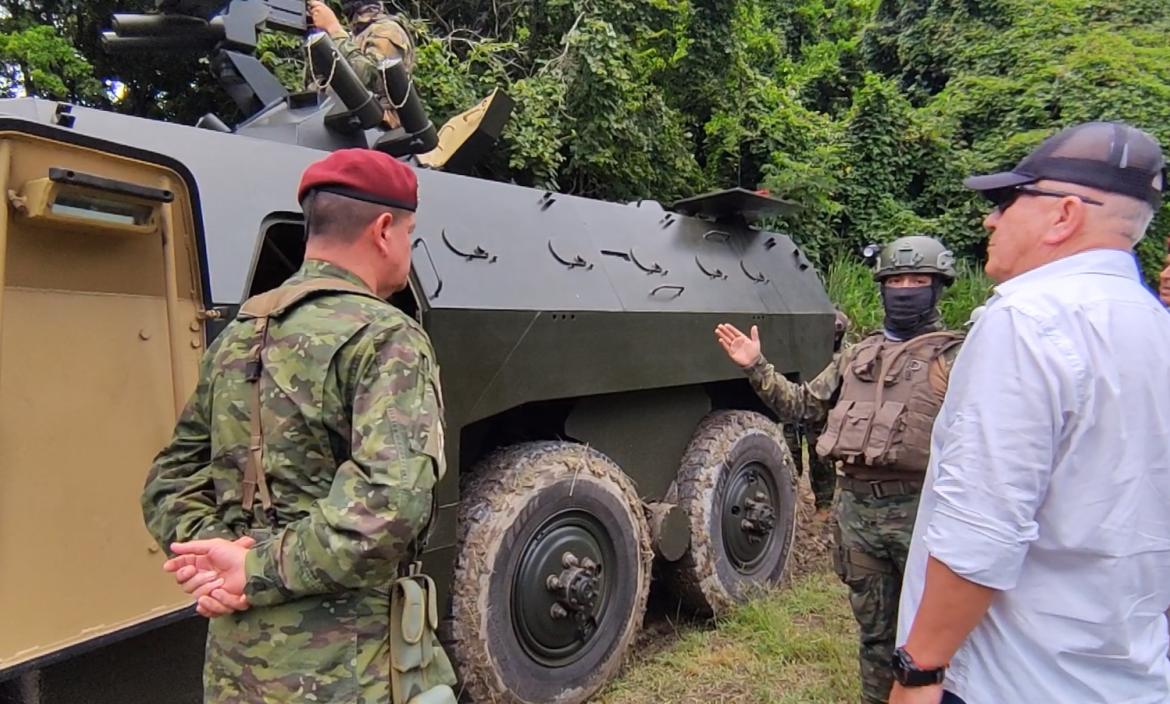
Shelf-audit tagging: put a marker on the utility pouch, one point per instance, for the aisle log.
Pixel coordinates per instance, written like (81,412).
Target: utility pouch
(420,671)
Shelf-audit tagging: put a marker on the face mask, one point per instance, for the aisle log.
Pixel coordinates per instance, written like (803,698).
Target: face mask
(909,310)
(357,11)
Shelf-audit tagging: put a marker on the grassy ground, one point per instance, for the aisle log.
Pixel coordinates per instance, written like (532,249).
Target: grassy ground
(795,646)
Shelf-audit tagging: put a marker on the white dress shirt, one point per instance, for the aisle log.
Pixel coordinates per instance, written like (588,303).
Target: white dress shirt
(1049,481)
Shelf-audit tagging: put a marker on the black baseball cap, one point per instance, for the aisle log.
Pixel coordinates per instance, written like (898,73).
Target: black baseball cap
(1108,156)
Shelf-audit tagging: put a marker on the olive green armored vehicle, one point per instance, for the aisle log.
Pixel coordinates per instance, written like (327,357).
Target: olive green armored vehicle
(598,438)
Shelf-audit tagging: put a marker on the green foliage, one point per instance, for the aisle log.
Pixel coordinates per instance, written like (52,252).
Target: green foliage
(37,60)
(865,113)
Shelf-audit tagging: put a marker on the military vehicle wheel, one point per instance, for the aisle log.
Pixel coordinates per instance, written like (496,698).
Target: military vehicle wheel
(552,576)
(738,488)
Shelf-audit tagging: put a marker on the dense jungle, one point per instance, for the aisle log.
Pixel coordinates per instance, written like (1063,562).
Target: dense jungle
(867,113)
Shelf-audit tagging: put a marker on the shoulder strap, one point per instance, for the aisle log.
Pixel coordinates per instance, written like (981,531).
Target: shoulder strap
(274,303)
(940,371)
(262,308)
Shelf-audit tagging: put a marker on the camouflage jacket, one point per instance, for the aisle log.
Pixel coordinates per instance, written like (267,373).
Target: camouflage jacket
(351,409)
(811,401)
(379,37)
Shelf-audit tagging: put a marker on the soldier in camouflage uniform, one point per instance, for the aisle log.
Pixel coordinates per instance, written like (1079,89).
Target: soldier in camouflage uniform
(300,475)
(373,37)
(822,472)
(878,400)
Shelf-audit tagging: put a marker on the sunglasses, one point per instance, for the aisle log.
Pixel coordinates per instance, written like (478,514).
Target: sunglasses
(1004,197)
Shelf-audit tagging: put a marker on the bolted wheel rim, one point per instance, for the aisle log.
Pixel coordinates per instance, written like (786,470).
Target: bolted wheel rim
(561,587)
(750,506)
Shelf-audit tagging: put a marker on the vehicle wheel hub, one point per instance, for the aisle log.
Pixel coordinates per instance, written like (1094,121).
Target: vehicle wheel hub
(560,588)
(749,516)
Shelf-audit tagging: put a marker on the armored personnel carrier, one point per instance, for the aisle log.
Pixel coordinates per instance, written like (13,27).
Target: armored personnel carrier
(597,435)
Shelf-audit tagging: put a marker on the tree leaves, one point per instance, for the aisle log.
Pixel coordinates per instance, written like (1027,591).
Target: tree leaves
(867,113)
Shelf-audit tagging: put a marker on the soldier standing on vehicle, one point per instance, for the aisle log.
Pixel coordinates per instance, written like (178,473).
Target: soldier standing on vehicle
(374,36)
(878,399)
(301,474)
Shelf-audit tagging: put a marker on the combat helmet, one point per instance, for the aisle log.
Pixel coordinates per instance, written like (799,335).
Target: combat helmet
(916,254)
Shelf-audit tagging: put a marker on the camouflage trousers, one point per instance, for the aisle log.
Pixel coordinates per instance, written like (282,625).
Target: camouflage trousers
(872,540)
(822,472)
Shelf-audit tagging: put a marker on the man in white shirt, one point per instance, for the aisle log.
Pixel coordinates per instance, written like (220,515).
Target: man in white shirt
(1039,570)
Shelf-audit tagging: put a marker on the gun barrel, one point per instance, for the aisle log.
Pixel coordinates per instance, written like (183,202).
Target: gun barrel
(125,25)
(114,44)
(409,108)
(330,66)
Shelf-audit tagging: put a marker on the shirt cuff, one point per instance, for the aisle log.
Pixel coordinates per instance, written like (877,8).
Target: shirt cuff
(975,551)
(340,35)
(760,368)
(263,584)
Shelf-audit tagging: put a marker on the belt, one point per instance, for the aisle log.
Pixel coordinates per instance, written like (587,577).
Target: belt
(881,488)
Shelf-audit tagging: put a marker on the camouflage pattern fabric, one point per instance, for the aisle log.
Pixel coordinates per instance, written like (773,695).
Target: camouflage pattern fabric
(874,534)
(353,443)
(822,472)
(808,402)
(377,37)
(872,541)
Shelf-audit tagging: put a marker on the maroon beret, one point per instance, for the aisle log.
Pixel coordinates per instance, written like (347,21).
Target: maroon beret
(364,174)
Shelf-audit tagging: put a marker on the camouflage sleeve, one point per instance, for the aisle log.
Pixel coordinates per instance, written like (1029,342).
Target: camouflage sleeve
(178,501)
(380,45)
(795,403)
(380,498)
(940,374)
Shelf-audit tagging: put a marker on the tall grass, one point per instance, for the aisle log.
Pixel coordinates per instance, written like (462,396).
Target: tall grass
(851,287)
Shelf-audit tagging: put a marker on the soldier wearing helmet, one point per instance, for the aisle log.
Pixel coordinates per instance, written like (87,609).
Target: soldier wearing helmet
(373,36)
(878,400)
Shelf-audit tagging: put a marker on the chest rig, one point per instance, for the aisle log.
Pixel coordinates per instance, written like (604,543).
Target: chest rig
(890,394)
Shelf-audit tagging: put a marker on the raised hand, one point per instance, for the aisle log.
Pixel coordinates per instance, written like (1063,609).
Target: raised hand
(743,350)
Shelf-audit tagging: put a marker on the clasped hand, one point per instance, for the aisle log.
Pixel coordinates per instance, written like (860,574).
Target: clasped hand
(212,572)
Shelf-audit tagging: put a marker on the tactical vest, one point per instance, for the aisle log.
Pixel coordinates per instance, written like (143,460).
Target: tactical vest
(890,395)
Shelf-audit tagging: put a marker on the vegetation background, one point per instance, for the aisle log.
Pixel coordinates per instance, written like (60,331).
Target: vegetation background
(868,113)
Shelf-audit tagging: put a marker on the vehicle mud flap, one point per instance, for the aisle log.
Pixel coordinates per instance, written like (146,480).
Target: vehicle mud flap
(420,671)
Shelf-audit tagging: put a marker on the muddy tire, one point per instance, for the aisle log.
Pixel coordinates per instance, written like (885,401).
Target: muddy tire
(552,576)
(737,486)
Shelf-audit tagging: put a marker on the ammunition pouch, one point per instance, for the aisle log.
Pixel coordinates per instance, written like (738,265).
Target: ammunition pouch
(853,565)
(420,671)
(890,395)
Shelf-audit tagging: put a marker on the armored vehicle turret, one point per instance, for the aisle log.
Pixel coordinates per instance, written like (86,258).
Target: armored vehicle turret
(597,435)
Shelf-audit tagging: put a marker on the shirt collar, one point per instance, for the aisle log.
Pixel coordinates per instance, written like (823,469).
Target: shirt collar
(321,269)
(1107,262)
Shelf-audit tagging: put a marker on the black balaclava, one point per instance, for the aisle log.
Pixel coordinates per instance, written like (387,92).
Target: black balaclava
(911,311)
(354,8)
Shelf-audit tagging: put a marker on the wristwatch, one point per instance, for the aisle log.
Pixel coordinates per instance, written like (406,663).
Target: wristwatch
(908,674)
